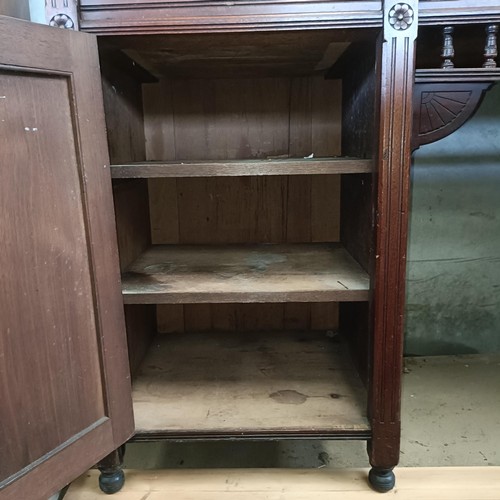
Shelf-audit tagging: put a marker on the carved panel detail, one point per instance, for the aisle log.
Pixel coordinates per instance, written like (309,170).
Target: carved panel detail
(401,16)
(440,109)
(62,21)
(62,14)
(168,16)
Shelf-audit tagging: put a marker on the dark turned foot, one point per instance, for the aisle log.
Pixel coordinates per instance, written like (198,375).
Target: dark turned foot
(112,477)
(382,480)
(111,481)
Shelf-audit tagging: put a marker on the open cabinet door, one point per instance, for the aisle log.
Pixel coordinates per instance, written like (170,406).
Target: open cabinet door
(65,399)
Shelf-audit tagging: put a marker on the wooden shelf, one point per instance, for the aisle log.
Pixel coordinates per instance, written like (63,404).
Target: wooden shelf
(288,166)
(181,274)
(264,384)
(457,75)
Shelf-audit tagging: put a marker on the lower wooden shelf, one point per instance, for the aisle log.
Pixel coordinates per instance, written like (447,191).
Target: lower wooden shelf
(248,385)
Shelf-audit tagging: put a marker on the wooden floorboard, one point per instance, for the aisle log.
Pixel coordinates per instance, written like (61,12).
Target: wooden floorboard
(447,483)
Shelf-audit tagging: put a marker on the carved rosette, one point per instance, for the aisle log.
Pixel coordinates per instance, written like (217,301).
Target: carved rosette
(62,21)
(62,14)
(401,16)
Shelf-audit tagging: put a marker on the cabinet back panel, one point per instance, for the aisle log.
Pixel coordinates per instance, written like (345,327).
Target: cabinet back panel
(247,317)
(224,119)
(267,209)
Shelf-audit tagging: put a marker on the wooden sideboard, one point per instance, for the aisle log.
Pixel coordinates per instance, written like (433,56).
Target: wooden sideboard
(259,159)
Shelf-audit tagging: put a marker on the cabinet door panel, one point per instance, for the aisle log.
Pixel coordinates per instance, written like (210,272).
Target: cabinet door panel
(64,382)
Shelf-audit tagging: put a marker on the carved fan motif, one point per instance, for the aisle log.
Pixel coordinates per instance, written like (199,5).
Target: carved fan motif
(442,108)
(438,109)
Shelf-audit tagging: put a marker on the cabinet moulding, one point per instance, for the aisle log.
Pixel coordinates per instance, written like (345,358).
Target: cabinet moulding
(121,17)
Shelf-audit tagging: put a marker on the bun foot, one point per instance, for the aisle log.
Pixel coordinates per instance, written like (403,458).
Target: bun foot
(382,480)
(112,477)
(111,481)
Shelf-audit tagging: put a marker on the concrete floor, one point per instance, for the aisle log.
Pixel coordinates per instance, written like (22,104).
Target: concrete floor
(451,417)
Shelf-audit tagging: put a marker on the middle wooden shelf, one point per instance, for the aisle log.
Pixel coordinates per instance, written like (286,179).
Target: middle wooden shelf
(303,272)
(238,168)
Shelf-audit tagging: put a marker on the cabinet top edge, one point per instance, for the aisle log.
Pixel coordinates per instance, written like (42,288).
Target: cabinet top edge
(114,17)
(302,5)
(123,17)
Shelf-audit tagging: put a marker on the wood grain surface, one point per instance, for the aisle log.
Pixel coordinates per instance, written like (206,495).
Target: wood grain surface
(397,63)
(235,168)
(244,273)
(64,378)
(413,483)
(248,384)
(161,17)
(190,121)
(230,55)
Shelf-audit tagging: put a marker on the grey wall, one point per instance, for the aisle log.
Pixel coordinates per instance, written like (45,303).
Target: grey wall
(453,288)
(15,8)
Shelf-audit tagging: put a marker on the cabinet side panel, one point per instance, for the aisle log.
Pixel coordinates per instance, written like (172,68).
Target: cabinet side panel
(141,325)
(358,100)
(132,219)
(134,237)
(122,95)
(358,134)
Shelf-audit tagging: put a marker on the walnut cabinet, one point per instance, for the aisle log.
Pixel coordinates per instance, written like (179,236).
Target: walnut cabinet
(220,191)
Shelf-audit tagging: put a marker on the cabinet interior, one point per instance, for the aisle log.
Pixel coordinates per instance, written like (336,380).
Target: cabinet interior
(242,172)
